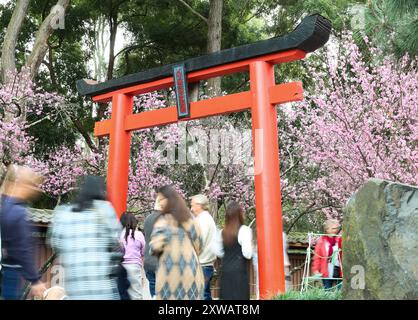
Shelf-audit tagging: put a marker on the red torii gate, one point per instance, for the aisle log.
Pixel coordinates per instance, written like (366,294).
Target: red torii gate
(259,59)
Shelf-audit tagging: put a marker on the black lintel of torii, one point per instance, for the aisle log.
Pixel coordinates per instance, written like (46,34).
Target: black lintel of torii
(312,33)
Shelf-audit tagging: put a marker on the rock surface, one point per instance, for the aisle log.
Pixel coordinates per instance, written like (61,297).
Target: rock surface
(380,242)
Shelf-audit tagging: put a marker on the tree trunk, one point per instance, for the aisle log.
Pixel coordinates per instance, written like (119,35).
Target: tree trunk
(84,133)
(113,24)
(194,91)
(8,64)
(214,41)
(50,66)
(113,28)
(41,41)
(100,69)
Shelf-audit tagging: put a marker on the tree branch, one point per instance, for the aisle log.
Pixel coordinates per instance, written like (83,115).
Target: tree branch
(283,174)
(41,46)
(215,172)
(37,121)
(194,11)
(309,210)
(130,48)
(85,135)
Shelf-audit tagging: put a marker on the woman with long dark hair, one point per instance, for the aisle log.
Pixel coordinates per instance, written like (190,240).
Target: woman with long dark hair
(133,243)
(85,235)
(234,245)
(176,240)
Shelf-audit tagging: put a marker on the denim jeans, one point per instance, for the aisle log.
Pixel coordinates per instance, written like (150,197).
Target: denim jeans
(151,279)
(12,283)
(208,273)
(330,283)
(123,283)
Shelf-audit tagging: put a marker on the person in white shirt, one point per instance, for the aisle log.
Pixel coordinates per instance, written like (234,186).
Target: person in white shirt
(234,245)
(200,206)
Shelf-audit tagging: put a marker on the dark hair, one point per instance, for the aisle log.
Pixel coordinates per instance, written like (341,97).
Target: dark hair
(122,219)
(130,224)
(234,219)
(92,188)
(175,204)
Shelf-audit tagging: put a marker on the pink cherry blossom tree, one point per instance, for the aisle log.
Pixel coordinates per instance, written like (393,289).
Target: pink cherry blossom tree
(20,98)
(359,121)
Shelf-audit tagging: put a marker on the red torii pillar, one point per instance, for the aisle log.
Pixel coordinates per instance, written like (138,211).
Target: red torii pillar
(267,180)
(119,151)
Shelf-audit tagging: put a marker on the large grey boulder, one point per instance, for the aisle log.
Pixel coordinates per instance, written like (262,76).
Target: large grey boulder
(380,242)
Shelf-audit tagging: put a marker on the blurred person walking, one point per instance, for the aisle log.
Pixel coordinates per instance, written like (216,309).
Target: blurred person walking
(133,244)
(200,206)
(176,240)
(151,261)
(85,235)
(21,185)
(234,245)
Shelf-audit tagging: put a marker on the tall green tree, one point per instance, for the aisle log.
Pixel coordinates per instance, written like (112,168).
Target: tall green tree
(39,47)
(393,25)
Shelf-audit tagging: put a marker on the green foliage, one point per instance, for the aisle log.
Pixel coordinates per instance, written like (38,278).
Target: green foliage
(393,25)
(158,30)
(291,12)
(311,294)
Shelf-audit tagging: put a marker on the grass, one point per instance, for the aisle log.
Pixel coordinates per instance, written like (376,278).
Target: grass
(311,294)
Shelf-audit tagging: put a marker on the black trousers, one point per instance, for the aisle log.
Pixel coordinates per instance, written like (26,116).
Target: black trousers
(123,283)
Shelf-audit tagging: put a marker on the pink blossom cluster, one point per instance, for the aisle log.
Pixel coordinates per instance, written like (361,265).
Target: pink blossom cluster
(143,177)
(149,101)
(14,142)
(63,168)
(19,98)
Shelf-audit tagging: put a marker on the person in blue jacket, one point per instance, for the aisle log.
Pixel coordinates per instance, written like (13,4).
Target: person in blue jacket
(20,185)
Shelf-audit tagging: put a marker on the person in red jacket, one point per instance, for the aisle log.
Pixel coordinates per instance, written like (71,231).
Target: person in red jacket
(327,255)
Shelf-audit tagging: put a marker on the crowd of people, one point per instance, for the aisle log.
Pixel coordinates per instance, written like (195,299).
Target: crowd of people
(172,257)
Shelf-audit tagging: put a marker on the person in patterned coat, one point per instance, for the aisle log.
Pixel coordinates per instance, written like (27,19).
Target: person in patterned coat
(176,240)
